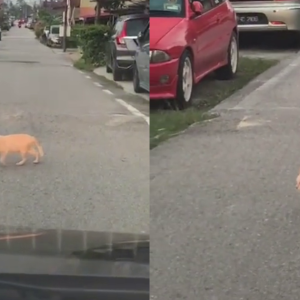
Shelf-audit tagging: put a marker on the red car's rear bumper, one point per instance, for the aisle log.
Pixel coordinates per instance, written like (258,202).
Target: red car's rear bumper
(163,80)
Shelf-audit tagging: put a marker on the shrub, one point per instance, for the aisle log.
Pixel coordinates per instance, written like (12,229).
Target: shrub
(92,40)
(39,28)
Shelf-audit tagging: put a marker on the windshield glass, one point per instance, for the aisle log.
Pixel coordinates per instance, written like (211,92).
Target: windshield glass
(55,30)
(171,8)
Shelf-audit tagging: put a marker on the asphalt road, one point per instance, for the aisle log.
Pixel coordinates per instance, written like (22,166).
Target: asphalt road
(95,173)
(225,214)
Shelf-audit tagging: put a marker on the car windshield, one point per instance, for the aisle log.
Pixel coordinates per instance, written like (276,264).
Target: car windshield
(165,8)
(55,30)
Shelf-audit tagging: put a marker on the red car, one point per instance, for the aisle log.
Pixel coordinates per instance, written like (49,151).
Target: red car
(188,40)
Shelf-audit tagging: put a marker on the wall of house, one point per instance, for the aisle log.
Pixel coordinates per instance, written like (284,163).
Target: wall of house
(87,8)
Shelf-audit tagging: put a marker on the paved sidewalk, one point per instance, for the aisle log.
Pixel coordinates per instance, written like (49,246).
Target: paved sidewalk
(225,214)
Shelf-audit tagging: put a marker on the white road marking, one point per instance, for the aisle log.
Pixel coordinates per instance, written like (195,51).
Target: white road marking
(251,123)
(133,110)
(80,72)
(108,92)
(97,84)
(87,77)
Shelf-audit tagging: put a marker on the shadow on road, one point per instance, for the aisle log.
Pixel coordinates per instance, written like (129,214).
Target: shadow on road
(273,41)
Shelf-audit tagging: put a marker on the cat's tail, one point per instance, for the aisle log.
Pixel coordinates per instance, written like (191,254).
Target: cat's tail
(39,147)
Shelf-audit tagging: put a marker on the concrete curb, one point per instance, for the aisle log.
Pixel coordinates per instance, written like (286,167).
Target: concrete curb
(258,81)
(99,72)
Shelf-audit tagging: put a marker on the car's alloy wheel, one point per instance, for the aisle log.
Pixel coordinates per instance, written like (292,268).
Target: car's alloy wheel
(230,69)
(185,81)
(234,54)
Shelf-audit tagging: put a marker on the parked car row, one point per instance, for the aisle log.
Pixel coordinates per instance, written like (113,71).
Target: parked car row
(30,23)
(190,39)
(127,52)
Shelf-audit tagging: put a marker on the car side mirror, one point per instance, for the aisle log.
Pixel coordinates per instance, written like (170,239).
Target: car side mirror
(197,7)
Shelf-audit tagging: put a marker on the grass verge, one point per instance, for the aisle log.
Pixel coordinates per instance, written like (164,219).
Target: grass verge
(82,65)
(207,94)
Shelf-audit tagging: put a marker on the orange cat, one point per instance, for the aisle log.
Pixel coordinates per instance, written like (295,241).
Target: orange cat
(20,143)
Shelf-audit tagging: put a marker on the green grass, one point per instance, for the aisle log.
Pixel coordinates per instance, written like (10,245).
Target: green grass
(81,64)
(207,94)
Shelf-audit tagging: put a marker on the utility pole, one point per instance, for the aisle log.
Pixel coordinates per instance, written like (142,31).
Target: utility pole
(98,11)
(65,27)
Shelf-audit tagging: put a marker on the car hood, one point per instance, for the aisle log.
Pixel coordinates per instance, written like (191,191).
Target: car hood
(160,27)
(73,252)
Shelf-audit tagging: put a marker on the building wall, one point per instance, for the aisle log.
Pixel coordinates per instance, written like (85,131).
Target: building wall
(87,8)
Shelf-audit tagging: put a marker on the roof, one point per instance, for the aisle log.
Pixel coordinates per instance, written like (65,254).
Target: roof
(131,7)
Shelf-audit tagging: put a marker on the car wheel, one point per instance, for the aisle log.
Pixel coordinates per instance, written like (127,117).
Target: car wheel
(229,71)
(108,69)
(185,81)
(117,73)
(136,80)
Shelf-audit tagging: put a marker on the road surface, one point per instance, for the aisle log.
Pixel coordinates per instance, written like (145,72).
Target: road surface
(95,173)
(225,214)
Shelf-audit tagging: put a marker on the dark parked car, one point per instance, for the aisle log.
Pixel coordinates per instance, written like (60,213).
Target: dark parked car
(119,59)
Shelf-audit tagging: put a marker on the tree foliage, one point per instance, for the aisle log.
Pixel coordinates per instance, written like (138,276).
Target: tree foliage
(47,18)
(92,40)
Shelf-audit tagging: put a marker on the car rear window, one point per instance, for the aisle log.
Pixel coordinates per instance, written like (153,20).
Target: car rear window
(134,26)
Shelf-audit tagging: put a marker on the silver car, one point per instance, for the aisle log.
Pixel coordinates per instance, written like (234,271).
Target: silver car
(141,66)
(267,15)
(140,46)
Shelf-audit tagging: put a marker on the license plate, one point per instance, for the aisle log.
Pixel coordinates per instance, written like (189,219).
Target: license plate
(248,19)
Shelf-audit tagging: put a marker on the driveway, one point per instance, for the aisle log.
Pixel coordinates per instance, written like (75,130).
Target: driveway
(225,214)
(95,173)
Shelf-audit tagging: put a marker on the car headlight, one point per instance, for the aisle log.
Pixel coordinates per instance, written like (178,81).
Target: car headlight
(157,56)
